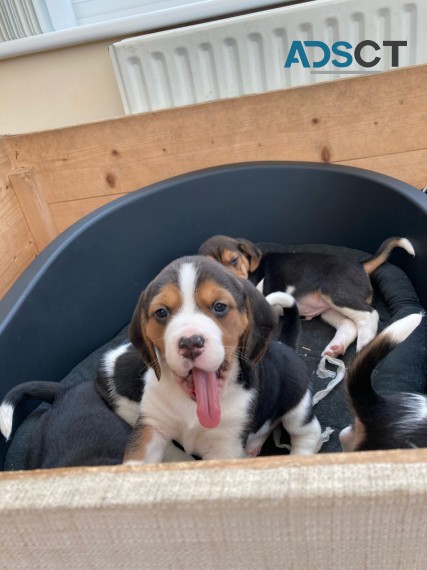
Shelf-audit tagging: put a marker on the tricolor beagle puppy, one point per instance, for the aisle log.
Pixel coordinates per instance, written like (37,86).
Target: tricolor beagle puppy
(383,422)
(79,429)
(215,381)
(120,370)
(334,287)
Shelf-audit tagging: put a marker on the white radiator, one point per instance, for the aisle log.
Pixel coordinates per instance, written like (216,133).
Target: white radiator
(246,54)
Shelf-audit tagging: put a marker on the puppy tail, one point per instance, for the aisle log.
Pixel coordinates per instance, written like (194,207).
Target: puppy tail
(384,251)
(43,391)
(284,305)
(358,378)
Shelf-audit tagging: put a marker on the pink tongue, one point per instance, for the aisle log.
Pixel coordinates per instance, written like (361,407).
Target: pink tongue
(207,396)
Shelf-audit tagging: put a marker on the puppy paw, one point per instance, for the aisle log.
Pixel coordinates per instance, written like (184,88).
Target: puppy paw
(334,349)
(253,452)
(280,299)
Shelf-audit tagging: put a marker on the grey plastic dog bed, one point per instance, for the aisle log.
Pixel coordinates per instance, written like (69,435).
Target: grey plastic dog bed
(81,291)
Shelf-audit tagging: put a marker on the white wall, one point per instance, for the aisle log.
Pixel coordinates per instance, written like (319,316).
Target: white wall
(58,88)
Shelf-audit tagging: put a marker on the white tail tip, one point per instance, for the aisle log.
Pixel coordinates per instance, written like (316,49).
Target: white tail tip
(407,246)
(401,329)
(6,419)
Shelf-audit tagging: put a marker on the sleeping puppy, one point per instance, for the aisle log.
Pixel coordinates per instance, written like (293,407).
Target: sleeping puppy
(383,422)
(239,255)
(334,287)
(215,382)
(79,429)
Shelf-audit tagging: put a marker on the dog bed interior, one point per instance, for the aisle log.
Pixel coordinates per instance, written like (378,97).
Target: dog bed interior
(394,298)
(82,289)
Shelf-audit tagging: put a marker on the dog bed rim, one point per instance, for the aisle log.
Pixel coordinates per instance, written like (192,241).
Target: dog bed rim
(22,287)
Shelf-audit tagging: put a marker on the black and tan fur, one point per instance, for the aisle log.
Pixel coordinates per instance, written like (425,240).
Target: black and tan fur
(196,318)
(383,422)
(78,430)
(336,288)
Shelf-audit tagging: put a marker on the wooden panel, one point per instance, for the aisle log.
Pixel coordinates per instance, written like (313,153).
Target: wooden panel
(331,122)
(411,167)
(34,206)
(406,166)
(66,213)
(375,122)
(17,247)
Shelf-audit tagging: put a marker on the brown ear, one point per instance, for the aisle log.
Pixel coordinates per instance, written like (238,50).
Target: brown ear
(138,337)
(251,251)
(262,324)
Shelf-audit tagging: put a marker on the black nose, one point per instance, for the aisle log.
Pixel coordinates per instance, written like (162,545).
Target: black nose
(191,346)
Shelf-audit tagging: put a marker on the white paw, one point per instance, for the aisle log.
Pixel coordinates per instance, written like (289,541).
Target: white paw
(281,299)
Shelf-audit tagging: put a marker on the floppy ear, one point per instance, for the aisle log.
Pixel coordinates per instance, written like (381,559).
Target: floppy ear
(251,251)
(262,324)
(209,247)
(139,339)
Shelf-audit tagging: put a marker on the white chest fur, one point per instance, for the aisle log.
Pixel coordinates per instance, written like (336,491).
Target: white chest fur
(168,408)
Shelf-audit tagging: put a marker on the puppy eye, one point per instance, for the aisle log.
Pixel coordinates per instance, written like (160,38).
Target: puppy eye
(219,308)
(161,314)
(234,261)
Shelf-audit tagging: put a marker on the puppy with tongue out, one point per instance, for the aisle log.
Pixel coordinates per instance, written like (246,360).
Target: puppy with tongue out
(202,333)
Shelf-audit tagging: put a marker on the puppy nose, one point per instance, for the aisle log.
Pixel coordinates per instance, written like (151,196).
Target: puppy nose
(191,346)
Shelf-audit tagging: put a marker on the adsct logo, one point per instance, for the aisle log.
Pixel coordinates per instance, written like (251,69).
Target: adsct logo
(342,55)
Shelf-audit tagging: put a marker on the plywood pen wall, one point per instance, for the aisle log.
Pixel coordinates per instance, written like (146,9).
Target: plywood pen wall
(50,179)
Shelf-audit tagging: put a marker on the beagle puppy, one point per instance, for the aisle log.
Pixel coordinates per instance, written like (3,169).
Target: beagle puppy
(119,376)
(79,429)
(336,288)
(215,380)
(239,255)
(383,422)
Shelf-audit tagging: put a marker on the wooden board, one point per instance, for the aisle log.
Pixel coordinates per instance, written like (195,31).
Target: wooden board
(66,213)
(17,247)
(407,166)
(34,206)
(411,166)
(375,122)
(331,122)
